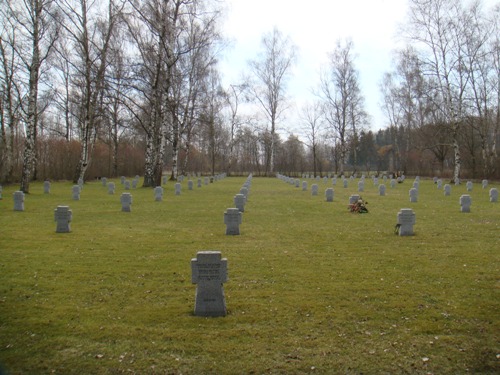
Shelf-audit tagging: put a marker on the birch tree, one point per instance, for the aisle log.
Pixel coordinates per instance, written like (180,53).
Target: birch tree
(341,97)
(36,32)
(271,71)
(89,28)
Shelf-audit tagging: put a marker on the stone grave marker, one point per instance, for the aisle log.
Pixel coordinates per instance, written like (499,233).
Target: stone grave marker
(111,188)
(164,180)
(329,194)
(413,195)
(127,185)
(405,222)
(393,183)
(439,184)
(465,202)
(493,195)
(381,190)
(122,180)
(246,192)
(63,216)
(199,182)
(206,180)
(457,181)
(158,191)
(134,183)
(76,192)
(416,184)
(297,182)
(104,181)
(484,183)
(468,186)
(345,183)
(209,272)
(80,183)
(18,201)
(353,198)
(232,219)
(447,190)
(239,202)
(361,186)
(334,181)
(126,201)
(304,185)
(314,189)
(46,187)
(190,184)
(177,188)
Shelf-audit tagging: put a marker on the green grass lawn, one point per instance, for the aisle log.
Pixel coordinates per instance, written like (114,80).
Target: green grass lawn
(312,288)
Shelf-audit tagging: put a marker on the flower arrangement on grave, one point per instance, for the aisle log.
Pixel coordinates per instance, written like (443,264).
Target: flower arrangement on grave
(358,207)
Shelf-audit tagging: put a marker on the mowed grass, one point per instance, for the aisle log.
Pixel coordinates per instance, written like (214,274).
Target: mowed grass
(312,288)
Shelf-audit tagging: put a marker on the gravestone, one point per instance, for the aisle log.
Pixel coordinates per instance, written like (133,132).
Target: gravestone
(239,202)
(439,184)
(111,188)
(134,183)
(413,195)
(209,272)
(457,181)
(206,180)
(381,190)
(493,195)
(18,201)
(126,201)
(345,182)
(447,190)
(158,193)
(232,219)
(334,181)
(304,185)
(297,183)
(80,183)
(375,181)
(314,189)
(416,184)
(127,185)
(199,182)
(484,183)
(177,188)
(393,183)
(469,186)
(63,216)
(246,192)
(405,222)
(361,186)
(190,184)
(353,198)
(46,187)
(104,181)
(465,202)
(329,194)
(76,192)
(122,180)
(164,180)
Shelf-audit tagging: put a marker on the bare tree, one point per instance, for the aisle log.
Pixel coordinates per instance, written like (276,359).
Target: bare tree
(89,28)
(271,71)
(341,97)
(436,29)
(312,118)
(36,32)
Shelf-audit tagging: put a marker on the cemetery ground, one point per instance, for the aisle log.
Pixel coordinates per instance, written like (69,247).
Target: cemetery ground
(312,288)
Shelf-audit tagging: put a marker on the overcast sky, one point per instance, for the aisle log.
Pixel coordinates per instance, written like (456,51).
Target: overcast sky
(315,26)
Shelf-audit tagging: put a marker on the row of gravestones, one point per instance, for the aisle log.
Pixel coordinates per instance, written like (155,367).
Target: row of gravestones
(233,216)
(406,217)
(63,215)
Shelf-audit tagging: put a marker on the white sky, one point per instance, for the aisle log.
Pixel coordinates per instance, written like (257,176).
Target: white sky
(315,26)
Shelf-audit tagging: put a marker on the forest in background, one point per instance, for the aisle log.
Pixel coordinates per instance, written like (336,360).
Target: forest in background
(125,87)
